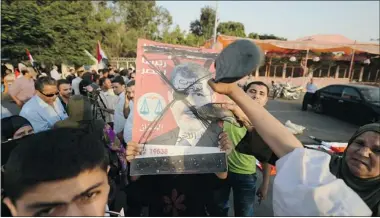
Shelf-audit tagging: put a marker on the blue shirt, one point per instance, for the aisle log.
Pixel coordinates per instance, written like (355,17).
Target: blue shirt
(129,124)
(311,88)
(119,119)
(41,115)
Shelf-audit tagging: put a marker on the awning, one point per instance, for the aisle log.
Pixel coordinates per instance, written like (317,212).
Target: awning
(284,46)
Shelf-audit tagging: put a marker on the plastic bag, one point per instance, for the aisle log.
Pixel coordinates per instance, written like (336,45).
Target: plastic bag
(294,128)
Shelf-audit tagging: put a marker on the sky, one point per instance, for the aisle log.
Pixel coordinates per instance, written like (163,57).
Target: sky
(357,20)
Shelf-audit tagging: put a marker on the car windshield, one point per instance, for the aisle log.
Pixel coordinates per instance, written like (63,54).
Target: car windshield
(371,94)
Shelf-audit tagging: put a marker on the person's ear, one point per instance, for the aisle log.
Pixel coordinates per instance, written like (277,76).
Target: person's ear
(7,201)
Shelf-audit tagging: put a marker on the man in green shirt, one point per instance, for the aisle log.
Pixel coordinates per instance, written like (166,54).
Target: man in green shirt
(241,167)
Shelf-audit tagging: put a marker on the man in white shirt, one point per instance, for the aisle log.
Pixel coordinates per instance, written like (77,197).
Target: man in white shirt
(118,87)
(76,81)
(310,90)
(54,73)
(128,111)
(44,109)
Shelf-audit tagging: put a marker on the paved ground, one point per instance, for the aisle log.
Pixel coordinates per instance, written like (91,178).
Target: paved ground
(320,126)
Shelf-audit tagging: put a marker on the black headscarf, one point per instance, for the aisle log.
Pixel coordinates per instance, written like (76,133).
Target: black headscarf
(367,189)
(10,125)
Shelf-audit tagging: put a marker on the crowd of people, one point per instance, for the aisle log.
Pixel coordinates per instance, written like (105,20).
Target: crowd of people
(67,154)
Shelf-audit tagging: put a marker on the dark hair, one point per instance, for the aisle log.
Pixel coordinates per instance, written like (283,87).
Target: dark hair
(83,84)
(110,76)
(62,81)
(88,76)
(41,82)
(96,77)
(131,83)
(102,81)
(10,125)
(259,83)
(52,155)
(124,72)
(119,80)
(24,71)
(70,78)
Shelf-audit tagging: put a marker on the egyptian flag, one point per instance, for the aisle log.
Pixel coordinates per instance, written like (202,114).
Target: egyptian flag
(100,53)
(30,57)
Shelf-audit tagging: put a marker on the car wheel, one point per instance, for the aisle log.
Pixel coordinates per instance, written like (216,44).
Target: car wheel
(318,107)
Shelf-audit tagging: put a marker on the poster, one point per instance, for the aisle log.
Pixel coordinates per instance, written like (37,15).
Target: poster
(171,83)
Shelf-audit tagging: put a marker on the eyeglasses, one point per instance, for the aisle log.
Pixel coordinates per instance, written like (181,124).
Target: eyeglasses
(49,95)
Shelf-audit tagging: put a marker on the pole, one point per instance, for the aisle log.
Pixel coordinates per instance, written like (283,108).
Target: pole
(215,25)
(352,62)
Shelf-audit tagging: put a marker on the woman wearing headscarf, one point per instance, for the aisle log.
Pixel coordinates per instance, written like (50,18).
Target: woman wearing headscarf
(15,127)
(359,166)
(323,185)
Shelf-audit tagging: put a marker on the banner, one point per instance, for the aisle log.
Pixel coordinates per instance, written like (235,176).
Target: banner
(171,84)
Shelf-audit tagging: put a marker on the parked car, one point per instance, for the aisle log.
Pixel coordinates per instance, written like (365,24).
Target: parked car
(357,103)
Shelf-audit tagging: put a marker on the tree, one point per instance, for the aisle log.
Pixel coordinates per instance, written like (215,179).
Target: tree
(231,28)
(253,36)
(72,32)
(265,36)
(22,27)
(204,26)
(176,37)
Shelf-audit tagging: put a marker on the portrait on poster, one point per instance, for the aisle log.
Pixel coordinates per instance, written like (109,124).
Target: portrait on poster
(171,86)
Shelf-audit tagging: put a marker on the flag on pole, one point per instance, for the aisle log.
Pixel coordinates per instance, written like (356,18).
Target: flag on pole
(100,53)
(30,57)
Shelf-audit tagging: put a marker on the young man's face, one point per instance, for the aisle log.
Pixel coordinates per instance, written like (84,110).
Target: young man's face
(84,195)
(65,90)
(258,93)
(107,84)
(130,92)
(133,75)
(118,88)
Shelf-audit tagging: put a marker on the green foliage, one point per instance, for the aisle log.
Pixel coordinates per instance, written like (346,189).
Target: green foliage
(57,32)
(231,28)
(265,36)
(204,26)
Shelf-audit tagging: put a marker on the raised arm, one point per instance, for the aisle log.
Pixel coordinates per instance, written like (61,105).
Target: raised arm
(278,138)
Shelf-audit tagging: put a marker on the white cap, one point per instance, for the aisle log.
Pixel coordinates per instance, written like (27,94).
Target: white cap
(304,186)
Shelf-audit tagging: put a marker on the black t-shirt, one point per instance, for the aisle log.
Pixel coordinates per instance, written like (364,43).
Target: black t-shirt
(179,195)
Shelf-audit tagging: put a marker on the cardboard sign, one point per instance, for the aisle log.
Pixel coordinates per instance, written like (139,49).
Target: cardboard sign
(171,83)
